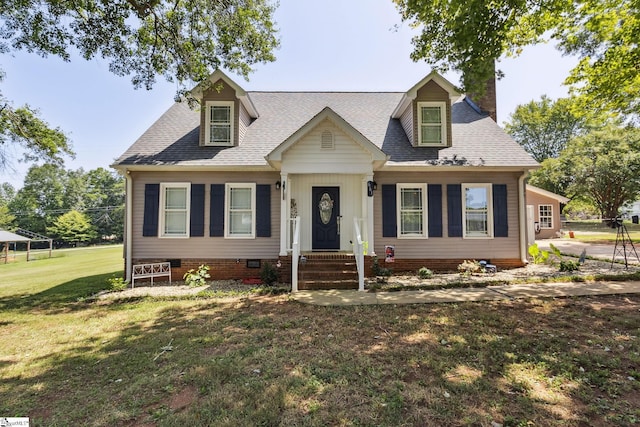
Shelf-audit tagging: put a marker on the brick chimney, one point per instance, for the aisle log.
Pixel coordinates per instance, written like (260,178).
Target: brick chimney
(487,102)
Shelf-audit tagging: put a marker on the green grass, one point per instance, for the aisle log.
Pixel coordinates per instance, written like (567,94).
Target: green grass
(597,232)
(267,360)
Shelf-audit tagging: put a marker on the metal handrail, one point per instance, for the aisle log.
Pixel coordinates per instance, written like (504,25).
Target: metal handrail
(358,252)
(295,254)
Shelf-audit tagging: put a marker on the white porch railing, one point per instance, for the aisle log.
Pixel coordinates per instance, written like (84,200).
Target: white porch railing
(358,252)
(295,253)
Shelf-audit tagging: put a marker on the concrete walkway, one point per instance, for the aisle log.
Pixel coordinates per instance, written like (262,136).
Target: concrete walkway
(491,293)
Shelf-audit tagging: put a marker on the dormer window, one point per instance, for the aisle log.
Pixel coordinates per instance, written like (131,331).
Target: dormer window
(219,123)
(432,124)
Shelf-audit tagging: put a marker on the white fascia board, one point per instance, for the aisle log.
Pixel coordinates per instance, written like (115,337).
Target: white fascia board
(412,93)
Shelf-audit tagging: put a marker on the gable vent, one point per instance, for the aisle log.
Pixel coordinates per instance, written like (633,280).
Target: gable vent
(326,141)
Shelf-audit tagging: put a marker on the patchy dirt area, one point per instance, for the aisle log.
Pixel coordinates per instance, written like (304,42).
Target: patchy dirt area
(529,273)
(179,289)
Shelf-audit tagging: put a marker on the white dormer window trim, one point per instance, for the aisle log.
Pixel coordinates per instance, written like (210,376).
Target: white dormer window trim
(219,123)
(431,125)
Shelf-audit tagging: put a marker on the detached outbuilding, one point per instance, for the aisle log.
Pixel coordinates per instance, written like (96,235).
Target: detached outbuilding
(7,238)
(544,209)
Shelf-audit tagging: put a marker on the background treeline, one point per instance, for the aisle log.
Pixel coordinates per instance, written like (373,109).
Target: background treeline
(71,206)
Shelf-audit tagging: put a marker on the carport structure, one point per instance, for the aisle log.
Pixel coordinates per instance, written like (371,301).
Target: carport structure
(7,237)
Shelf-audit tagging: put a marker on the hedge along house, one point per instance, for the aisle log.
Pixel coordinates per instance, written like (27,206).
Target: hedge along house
(313,181)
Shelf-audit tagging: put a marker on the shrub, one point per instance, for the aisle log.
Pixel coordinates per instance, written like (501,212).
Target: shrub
(197,277)
(425,273)
(567,265)
(539,256)
(382,273)
(469,267)
(117,284)
(268,274)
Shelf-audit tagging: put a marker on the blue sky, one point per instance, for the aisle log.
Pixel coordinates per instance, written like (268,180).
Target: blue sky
(337,45)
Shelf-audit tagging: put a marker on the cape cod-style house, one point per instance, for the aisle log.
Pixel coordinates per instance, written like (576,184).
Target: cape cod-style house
(317,182)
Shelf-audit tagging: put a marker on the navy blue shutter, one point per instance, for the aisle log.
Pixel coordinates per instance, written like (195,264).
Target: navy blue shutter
(216,210)
(500,219)
(454,209)
(263,210)
(389,220)
(151,206)
(434,194)
(196,223)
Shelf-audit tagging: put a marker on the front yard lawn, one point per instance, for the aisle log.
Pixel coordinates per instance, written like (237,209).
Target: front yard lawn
(267,360)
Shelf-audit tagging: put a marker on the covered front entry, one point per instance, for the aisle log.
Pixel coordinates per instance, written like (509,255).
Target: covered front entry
(326,219)
(326,180)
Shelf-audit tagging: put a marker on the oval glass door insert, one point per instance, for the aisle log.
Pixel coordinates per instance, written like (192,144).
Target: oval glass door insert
(326,208)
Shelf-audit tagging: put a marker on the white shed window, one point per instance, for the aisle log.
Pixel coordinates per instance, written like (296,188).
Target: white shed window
(545,216)
(477,212)
(432,123)
(412,210)
(174,209)
(219,123)
(240,214)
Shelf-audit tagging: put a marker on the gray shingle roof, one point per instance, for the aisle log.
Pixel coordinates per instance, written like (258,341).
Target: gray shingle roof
(173,138)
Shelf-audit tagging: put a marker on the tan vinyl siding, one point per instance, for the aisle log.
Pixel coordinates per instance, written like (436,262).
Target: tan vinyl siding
(406,119)
(450,247)
(536,200)
(225,93)
(244,122)
(431,92)
(203,247)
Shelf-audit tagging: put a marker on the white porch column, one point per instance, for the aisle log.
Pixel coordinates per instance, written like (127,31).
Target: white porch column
(367,214)
(284,213)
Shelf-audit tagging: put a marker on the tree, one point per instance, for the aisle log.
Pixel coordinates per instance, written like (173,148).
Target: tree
(42,197)
(6,218)
(184,41)
(544,127)
(604,166)
(552,176)
(73,227)
(470,35)
(104,201)
(21,126)
(7,193)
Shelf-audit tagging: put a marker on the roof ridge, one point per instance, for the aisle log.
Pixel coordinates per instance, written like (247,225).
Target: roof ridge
(325,91)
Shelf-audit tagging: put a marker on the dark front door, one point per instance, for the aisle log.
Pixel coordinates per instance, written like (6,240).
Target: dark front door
(326,215)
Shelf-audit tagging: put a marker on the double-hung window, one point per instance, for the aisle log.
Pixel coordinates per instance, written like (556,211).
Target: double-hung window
(545,216)
(174,209)
(219,123)
(412,210)
(240,212)
(432,123)
(477,212)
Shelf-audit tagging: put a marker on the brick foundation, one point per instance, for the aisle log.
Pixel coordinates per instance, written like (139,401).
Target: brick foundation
(221,269)
(441,265)
(237,269)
